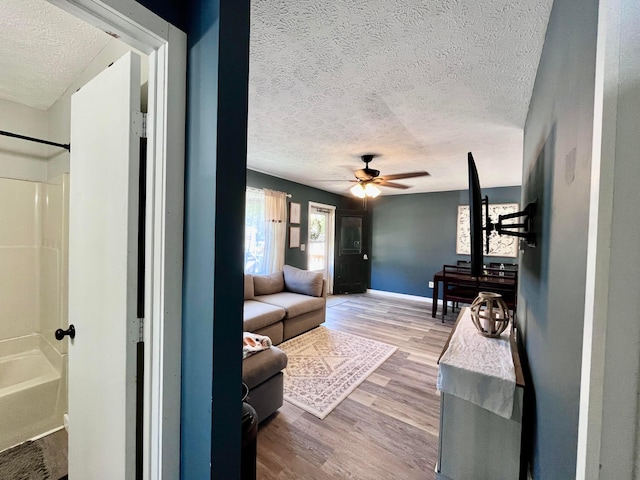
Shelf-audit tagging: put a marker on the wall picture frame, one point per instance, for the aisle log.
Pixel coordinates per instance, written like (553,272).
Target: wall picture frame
(499,245)
(294,212)
(294,237)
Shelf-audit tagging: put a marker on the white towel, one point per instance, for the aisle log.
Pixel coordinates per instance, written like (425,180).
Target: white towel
(254,343)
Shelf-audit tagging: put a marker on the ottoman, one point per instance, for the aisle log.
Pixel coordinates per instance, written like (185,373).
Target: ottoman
(262,373)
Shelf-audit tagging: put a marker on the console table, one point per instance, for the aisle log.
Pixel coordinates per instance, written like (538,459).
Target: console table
(481,393)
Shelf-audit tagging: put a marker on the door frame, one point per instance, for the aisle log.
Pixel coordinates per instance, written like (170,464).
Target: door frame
(166,47)
(329,235)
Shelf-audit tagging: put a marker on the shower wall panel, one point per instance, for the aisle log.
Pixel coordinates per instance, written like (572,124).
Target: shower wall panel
(19,259)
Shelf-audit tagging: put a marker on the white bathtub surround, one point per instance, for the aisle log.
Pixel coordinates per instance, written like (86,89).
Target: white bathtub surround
(33,304)
(32,389)
(53,217)
(19,308)
(33,257)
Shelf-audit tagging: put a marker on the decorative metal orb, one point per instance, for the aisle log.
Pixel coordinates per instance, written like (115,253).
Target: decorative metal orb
(490,314)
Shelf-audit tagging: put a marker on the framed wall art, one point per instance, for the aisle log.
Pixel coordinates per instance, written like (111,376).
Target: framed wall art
(499,245)
(294,212)
(294,237)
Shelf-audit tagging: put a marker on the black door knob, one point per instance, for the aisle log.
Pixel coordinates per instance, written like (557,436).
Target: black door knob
(71,331)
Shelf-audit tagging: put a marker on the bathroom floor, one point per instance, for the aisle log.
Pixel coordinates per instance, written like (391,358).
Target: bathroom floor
(45,458)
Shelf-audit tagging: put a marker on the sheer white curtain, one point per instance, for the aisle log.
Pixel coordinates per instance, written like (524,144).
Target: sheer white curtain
(275,210)
(254,232)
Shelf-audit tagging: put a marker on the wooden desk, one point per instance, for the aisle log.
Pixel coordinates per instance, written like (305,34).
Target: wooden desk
(485,282)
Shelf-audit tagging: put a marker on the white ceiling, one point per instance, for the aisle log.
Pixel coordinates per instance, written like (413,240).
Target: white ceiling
(419,82)
(42,51)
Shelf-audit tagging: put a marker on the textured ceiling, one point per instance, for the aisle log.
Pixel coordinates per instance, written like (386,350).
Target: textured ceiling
(42,50)
(419,82)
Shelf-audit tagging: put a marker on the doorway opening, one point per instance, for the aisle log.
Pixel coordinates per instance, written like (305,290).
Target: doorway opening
(47,175)
(321,241)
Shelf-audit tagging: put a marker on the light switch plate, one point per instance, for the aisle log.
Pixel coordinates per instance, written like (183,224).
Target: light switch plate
(303,247)
(430,284)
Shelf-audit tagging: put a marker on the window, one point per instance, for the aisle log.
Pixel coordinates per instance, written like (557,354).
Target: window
(317,240)
(254,232)
(265,230)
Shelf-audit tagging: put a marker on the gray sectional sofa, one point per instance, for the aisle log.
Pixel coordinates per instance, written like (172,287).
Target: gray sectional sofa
(280,305)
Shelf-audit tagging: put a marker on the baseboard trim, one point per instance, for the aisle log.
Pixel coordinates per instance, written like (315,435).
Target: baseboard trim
(415,298)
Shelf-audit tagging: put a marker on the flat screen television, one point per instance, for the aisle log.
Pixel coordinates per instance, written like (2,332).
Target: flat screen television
(475,219)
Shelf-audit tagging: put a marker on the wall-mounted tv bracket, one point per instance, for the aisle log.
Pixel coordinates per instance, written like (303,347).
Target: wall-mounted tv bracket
(512,229)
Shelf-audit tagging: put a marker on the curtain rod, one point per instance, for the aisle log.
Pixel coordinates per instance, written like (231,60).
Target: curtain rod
(256,189)
(66,146)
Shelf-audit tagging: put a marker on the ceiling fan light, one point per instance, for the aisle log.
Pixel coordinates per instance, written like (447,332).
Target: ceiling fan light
(371,190)
(358,190)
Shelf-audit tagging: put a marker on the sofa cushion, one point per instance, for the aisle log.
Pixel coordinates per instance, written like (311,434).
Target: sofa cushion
(262,366)
(257,315)
(248,287)
(267,284)
(293,303)
(302,281)
(275,332)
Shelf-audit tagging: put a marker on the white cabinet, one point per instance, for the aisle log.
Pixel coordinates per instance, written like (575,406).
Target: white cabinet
(476,443)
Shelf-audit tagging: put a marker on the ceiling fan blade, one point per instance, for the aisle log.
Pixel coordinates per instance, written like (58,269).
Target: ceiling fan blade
(398,176)
(383,183)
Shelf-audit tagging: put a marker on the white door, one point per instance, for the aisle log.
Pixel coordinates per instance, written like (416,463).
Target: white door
(321,241)
(103,216)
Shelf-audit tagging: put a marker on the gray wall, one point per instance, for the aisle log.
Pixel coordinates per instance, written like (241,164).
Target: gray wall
(557,162)
(414,235)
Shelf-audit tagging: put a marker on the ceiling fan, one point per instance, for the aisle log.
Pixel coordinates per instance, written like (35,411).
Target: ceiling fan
(367,179)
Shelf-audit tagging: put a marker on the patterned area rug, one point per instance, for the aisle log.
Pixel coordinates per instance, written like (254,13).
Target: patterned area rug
(325,366)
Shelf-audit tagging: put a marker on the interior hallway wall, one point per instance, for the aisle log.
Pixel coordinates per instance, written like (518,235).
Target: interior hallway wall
(215,179)
(613,344)
(557,172)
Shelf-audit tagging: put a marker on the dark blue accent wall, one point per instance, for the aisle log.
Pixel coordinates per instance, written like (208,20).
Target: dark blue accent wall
(414,235)
(218,43)
(173,11)
(301,194)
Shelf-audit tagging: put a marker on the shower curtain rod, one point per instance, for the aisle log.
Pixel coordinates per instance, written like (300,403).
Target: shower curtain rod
(31,139)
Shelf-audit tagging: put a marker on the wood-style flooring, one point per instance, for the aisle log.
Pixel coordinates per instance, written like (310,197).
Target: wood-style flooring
(387,429)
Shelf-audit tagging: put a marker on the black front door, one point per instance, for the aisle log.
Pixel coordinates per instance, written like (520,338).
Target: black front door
(352,252)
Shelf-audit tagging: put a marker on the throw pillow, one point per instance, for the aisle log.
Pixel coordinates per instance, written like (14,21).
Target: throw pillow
(302,281)
(268,284)
(248,287)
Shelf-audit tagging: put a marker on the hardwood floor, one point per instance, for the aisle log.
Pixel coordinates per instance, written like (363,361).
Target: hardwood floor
(388,427)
